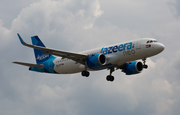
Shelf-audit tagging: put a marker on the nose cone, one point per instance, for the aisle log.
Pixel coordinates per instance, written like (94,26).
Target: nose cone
(155,49)
(159,47)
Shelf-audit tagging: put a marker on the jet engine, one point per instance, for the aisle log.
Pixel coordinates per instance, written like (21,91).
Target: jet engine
(96,60)
(134,67)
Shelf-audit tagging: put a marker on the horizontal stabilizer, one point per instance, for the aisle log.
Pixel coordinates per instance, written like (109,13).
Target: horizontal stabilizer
(29,65)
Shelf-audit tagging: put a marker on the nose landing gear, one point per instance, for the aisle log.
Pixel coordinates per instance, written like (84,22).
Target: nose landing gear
(144,63)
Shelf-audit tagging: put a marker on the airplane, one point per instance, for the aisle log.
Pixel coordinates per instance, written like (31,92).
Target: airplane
(124,56)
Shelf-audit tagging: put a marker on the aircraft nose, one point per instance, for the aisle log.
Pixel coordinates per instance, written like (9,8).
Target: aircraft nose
(161,47)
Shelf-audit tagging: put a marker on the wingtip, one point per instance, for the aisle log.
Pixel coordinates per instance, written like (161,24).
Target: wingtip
(21,40)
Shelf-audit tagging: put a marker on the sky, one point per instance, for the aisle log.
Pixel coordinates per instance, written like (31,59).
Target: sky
(78,25)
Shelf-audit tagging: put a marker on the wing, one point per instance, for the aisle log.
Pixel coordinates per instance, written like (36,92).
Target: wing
(79,58)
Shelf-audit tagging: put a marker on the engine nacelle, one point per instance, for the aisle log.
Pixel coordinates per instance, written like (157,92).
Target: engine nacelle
(96,60)
(134,67)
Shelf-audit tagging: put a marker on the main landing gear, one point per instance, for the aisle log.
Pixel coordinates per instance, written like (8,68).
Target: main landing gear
(85,73)
(110,77)
(144,63)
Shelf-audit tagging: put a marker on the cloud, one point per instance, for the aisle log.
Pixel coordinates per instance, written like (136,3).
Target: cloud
(4,34)
(75,25)
(175,7)
(97,10)
(59,13)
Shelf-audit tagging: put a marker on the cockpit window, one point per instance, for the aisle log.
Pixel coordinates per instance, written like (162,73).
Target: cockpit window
(151,41)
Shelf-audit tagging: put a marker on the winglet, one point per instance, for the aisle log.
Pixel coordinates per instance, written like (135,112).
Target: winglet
(21,40)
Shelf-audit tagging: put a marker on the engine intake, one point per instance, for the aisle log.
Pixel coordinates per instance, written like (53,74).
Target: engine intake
(102,59)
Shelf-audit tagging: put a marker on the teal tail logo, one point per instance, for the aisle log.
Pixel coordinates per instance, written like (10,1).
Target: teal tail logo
(39,56)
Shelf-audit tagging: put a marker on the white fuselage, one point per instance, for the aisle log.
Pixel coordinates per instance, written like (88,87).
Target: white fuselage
(117,54)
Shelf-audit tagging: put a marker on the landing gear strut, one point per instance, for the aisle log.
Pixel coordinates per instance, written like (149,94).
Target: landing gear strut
(110,77)
(144,63)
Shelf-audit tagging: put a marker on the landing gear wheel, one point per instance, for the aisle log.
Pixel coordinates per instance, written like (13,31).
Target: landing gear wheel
(145,66)
(110,78)
(85,73)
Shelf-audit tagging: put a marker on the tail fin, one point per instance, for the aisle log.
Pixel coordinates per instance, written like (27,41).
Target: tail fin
(39,56)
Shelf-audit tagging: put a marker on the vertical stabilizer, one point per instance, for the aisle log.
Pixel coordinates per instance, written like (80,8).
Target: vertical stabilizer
(39,56)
